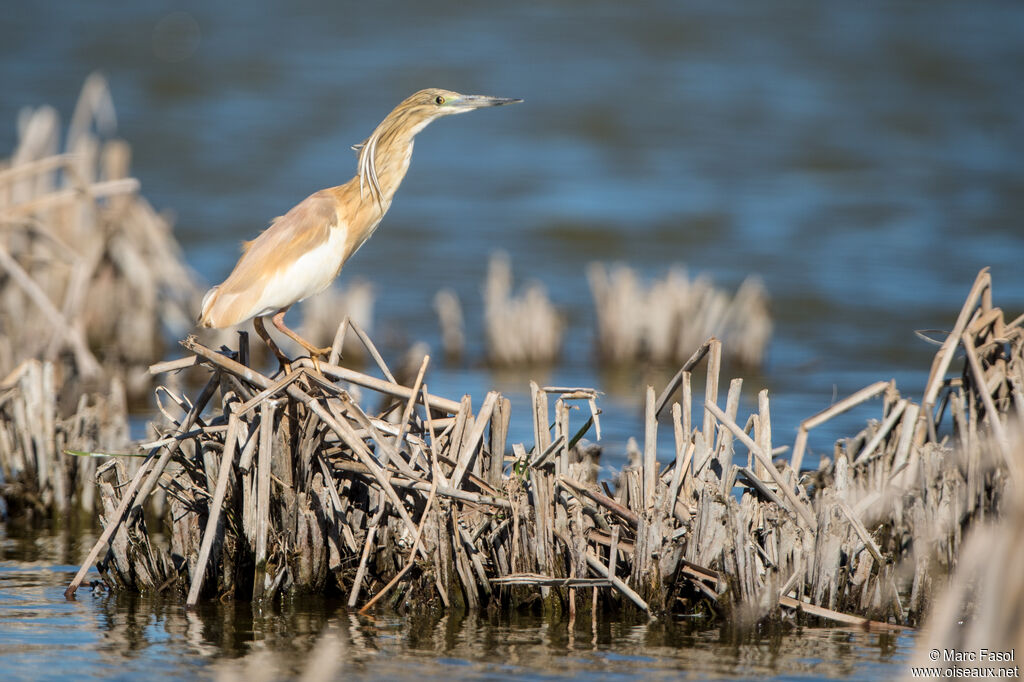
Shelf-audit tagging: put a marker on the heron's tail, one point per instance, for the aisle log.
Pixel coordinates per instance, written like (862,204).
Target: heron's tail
(206,314)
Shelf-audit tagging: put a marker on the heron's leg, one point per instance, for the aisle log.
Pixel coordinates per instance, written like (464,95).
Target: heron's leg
(278,320)
(261,331)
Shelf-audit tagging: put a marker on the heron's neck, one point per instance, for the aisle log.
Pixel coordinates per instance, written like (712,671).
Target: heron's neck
(384,159)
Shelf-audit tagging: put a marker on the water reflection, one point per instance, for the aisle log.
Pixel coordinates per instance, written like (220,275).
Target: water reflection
(530,647)
(104,634)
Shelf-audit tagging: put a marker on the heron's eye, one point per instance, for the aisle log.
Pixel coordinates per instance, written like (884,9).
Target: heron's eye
(439,99)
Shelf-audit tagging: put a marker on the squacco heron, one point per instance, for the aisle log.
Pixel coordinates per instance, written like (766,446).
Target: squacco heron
(302,252)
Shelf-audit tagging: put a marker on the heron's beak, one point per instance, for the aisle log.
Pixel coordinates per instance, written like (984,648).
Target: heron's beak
(480,101)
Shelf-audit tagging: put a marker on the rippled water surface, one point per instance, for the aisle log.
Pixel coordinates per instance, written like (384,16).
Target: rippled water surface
(863,158)
(42,636)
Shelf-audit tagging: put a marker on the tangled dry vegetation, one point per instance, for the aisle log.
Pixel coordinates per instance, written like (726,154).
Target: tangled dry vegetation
(90,275)
(288,485)
(660,323)
(522,329)
(36,478)
(979,608)
(663,322)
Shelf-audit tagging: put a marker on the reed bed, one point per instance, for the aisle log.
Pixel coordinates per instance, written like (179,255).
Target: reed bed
(979,608)
(91,277)
(523,329)
(37,479)
(663,322)
(519,330)
(288,485)
(658,324)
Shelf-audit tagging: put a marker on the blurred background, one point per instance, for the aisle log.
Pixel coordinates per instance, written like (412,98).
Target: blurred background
(863,159)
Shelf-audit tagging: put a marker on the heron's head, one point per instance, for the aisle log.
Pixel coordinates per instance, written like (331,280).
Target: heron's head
(427,105)
(408,118)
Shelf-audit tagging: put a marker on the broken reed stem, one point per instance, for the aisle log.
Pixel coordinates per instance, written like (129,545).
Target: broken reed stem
(266,445)
(339,342)
(806,425)
(650,449)
(676,381)
(372,350)
(986,397)
(130,496)
(209,535)
(983,282)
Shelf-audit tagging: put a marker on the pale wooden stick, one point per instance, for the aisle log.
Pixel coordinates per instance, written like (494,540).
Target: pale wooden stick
(882,432)
(223,476)
(764,422)
(375,384)
(541,429)
(372,350)
(986,397)
(725,447)
(263,496)
(681,447)
(499,435)
(470,443)
(816,420)
(339,342)
(407,412)
(435,467)
(837,616)
(940,365)
(677,380)
(595,563)
(174,365)
(274,388)
(711,391)
(650,449)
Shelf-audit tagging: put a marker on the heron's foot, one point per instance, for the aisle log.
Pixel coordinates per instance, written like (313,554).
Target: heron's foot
(315,354)
(285,362)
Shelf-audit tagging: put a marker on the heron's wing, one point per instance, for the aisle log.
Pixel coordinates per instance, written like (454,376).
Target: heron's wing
(304,228)
(300,230)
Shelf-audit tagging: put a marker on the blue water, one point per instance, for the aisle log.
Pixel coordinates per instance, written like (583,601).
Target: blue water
(44,637)
(863,158)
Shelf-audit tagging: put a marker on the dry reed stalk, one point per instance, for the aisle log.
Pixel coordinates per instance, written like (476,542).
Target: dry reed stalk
(449,315)
(662,323)
(90,274)
(36,478)
(980,606)
(520,330)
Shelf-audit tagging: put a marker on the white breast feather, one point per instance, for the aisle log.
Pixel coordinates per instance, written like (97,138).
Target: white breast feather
(310,274)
